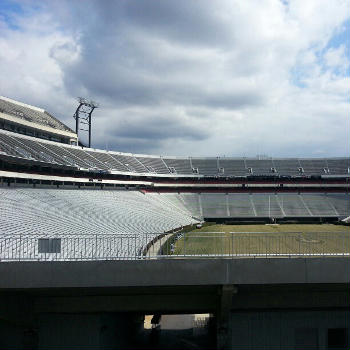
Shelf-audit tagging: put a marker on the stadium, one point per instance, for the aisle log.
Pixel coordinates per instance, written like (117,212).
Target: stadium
(90,237)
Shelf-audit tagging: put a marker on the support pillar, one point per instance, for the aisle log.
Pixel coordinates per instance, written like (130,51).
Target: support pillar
(223,321)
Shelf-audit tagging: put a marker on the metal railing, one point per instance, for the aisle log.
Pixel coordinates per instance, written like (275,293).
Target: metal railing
(74,247)
(178,245)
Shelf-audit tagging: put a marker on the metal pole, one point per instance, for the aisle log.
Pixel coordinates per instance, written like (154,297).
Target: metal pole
(20,246)
(90,128)
(77,119)
(184,243)
(222,245)
(128,245)
(231,243)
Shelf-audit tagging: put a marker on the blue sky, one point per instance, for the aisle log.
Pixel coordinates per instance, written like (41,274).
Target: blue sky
(234,78)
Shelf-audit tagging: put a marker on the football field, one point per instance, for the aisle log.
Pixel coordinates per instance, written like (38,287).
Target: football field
(259,240)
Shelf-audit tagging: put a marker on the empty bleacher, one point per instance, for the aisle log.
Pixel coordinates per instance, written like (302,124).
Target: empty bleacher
(260,166)
(110,162)
(154,164)
(214,205)
(130,162)
(314,166)
(205,166)
(240,205)
(340,166)
(266,205)
(75,214)
(233,167)
(235,205)
(30,113)
(179,165)
(120,223)
(192,202)
(287,166)
(31,148)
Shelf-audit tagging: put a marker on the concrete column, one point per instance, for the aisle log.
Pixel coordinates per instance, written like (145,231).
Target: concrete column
(223,329)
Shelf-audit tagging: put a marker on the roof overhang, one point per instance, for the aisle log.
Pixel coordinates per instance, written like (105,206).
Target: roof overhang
(36,126)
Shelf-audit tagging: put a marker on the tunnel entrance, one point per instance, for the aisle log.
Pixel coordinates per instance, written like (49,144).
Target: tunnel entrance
(178,331)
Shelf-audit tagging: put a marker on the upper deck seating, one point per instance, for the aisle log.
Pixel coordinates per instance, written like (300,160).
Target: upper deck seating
(34,149)
(30,113)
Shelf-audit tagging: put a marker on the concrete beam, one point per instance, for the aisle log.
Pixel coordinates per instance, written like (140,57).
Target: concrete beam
(164,304)
(173,272)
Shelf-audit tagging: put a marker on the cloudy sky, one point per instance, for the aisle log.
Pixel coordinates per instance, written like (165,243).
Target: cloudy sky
(187,77)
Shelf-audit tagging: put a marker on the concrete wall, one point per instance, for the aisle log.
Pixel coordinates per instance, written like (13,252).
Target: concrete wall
(173,272)
(57,331)
(94,331)
(285,329)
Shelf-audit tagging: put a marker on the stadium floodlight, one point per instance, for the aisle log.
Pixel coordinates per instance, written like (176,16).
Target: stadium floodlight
(86,102)
(83,114)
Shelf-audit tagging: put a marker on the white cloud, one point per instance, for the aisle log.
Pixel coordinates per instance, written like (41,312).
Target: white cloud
(336,58)
(187,77)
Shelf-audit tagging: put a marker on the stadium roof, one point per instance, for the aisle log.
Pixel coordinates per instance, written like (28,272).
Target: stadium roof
(24,113)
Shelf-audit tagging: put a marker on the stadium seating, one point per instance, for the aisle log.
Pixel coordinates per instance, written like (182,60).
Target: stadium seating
(287,166)
(260,166)
(57,153)
(205,166)
(179,165)
(30,113)
(118,223)
(338,166)
(314,167)
(233,167)
(221,205)
(129,219)
(154,165)
(214,205)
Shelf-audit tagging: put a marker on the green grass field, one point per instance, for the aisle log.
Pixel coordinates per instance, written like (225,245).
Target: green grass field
(264,239)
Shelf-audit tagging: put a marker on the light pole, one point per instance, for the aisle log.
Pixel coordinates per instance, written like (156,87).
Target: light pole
(83,114)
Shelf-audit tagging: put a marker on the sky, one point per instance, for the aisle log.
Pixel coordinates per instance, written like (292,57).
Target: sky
(187,77)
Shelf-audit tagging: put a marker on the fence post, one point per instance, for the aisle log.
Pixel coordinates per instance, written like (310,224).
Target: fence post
(184,243)
(231,243)
(146,245)
(20,246)
(222,246)
(135,248)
